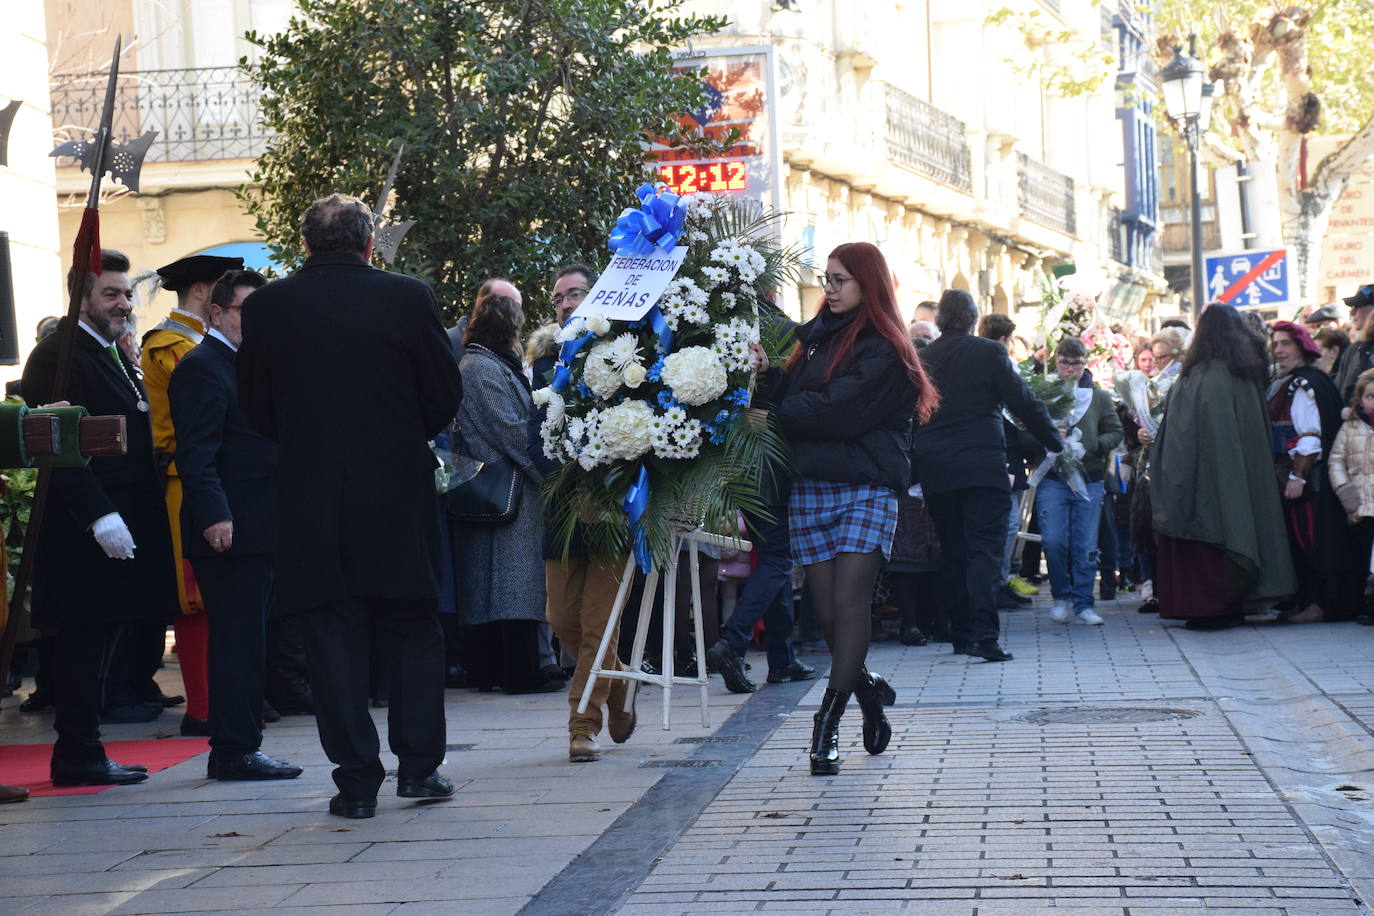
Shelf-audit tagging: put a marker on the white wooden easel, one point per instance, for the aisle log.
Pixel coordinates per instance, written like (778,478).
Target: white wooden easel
(666,679)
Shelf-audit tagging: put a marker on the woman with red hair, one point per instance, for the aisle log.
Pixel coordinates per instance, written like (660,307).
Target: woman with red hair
(847,400)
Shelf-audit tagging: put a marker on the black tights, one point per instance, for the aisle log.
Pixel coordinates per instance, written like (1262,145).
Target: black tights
(842,592)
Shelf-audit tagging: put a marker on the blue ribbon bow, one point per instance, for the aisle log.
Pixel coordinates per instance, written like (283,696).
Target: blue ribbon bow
(635,505)
(657,223)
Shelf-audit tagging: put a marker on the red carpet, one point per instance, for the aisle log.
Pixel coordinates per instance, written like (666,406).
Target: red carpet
(27,764)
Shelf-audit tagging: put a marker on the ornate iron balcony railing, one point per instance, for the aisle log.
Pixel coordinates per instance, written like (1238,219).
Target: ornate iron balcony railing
(206,113)
(1046,196)
(925,139)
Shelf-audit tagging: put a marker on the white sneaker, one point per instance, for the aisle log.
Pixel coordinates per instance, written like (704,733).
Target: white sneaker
(1059,612)
(1147,590)
(1090,618)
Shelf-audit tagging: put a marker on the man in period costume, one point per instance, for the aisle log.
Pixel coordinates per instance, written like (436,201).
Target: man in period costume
(163,347)
(104,555)
(1305,413)
(348,369)
(226,469)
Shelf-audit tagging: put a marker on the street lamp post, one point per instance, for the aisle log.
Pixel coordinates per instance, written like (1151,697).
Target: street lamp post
(1188,101)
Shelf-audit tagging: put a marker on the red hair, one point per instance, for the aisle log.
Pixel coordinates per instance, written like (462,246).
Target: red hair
(877,310)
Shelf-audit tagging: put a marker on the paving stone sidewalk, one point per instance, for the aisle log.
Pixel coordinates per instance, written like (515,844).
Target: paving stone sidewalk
(1126,769)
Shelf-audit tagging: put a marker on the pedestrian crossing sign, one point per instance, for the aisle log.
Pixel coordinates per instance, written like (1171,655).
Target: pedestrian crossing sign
(1248,278)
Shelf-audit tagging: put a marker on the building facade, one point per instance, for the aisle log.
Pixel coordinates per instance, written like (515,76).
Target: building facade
(28,179)
(933,128)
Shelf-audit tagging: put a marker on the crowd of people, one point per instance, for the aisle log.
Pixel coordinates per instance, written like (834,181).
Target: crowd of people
(277,504)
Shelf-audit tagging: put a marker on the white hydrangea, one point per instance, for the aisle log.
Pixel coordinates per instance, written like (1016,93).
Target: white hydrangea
(599,371)
(624,430)
(695,375)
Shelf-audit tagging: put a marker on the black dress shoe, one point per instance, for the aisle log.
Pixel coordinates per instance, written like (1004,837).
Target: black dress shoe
(1148,606)
(961,648)
(912,636)
(191,727)
(432,786)
(1008,600)
(168,702)
(129,715)
(38,701)
(269,714)
(304,707)
(256,765)
(10,794)
(102,773)
(797,671)
(723,659)
(990,650)
(343,806)
(136,767)
(554,673)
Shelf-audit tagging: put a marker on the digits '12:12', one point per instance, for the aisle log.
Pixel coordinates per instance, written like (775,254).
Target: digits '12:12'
(709,177)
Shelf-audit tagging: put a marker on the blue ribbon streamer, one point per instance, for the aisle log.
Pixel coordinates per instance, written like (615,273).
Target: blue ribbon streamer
(635,505)
(660,326)
(562,370)
(658,222)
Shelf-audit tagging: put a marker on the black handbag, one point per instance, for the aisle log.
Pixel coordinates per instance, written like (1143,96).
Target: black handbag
(489,497)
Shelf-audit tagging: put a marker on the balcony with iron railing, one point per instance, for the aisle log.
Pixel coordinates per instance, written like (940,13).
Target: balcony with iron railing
(926,140)
(201,114)
(1046,196)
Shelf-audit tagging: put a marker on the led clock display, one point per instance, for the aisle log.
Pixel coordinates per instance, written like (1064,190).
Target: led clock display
(711,177)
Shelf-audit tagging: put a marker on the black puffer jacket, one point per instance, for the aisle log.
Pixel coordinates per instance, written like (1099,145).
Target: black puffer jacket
(856,427)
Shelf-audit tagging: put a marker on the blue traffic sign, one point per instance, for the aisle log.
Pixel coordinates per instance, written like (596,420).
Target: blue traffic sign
(1248,277)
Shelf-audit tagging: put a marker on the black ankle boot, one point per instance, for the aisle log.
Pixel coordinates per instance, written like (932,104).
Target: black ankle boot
(825,735)
(873,693)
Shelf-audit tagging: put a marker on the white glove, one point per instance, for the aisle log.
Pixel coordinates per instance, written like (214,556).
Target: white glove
(114,537)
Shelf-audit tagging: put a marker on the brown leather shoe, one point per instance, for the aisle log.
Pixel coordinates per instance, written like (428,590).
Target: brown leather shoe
(13,794)
(583,749)
(621,724)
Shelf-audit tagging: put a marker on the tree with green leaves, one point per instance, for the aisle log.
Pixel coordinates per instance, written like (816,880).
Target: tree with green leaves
(524,124)
(1285,72)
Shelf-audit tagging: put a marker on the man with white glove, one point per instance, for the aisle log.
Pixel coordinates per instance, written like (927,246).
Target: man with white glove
(89,581)
(114,537)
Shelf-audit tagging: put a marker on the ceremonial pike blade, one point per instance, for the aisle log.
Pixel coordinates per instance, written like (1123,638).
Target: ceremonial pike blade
(100,154)
(6,122)
(389,236)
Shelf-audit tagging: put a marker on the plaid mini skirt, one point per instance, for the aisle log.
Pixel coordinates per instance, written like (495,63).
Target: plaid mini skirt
(827,518)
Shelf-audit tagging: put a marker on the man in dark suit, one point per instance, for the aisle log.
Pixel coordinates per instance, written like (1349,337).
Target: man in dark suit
(960,456)
(226,470)
(349,370)
(104,555)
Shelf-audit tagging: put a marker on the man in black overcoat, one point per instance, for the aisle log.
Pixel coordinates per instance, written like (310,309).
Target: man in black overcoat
(960,457)
(104,554)
(228,530)
(349,370)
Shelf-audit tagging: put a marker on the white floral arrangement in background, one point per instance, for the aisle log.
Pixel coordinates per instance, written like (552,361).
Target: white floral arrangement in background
(631,408)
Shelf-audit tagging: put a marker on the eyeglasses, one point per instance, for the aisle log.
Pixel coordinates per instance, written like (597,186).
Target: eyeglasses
(572,295)
(832,280)
(1071,363)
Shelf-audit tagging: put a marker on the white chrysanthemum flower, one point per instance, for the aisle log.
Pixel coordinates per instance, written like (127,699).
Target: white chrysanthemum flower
(694,294)
(674,416)
(715,276)
(732,343)
(687,439)
(555,406)
(695,375)
(729,300)
(698,236)
(571,331)
(624,351)
(541,396)
(599,371)
(624,430)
